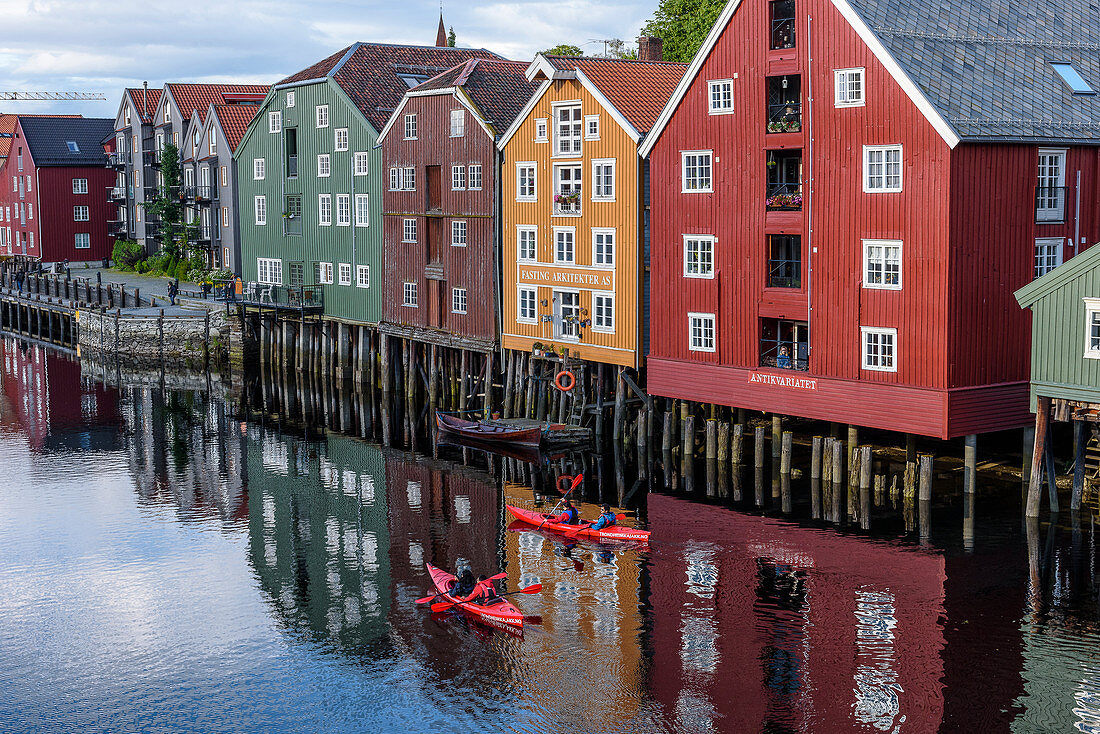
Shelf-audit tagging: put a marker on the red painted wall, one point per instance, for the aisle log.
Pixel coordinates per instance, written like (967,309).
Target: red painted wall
(14,194)
(469,267)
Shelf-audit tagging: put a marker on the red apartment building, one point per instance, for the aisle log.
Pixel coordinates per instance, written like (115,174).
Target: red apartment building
(846,193)
(52,206)
(440,236)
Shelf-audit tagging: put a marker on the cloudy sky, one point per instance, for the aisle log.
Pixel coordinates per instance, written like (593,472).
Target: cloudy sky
(99,46)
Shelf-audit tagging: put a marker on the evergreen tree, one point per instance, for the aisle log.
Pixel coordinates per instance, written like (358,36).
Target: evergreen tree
(451,37)
(683,25)
(165,205)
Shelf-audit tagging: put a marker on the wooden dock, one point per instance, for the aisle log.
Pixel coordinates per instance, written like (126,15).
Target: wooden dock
(560,436)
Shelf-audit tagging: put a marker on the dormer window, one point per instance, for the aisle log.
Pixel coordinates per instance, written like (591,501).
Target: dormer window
(126,116)
(167,113)
(73,147)
(1072,78)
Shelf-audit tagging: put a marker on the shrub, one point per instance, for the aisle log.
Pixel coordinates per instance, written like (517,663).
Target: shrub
(127,254)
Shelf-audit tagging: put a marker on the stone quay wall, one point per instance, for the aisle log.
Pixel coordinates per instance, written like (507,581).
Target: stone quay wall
(150,336)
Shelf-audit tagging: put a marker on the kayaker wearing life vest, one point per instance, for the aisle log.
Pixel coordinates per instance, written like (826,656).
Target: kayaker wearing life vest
(484,593)
(464,584)
(606,519)
(568,516)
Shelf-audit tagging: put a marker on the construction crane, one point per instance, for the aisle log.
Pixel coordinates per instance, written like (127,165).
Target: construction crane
(49,96)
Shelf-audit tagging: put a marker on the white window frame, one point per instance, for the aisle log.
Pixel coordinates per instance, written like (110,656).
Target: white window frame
(409,296)
(534,170)
(409,229)
(320,116)
(842,86)
(343,210)
(340,139)
(362,163)
(558,210)
(706,273)
(572,231)
(275,121)
(344,273)
(541,128)
(1092,310)
(578,139)
(459,233)
(324,273)
(290,100)
(864,332)
(324,165)
(225,216)
(269,270)
(458,297)
(259,169)
(458,178)
(534,293)
(598,163)
(410,127)
(1057,213)
(596,327)
(522,229)
(80,185)
(401,177)
(324,210)
(363,199)
(471,170)
(81,213)
(591,121)
(458,123)
(867,245)
(725,106)
(868,150)
(693,316)
(87,240)
(684,155)
(1058,243)
(596,260)
(212,143)
(362,276)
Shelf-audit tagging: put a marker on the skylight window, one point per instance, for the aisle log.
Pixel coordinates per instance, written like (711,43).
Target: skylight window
(73,147)
(1073,80)
(413,80)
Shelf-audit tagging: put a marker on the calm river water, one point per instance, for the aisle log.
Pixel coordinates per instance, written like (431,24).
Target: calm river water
(171,563)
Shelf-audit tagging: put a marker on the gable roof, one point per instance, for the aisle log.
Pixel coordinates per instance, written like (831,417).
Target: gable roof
(48,138)
(368,73)
(190,98)
(145,105)
(1068,271)
(234,120)
(7,129)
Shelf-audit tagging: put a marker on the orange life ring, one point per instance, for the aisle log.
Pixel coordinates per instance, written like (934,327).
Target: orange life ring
(565,376)
(563,483)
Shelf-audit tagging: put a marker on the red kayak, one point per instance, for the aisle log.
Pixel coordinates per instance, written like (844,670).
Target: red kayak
(501,613)
(613,532)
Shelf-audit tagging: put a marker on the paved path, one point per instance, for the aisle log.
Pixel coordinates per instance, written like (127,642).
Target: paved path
(151,287)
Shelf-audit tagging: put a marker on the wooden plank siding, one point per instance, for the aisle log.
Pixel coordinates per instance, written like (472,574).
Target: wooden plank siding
(622,346)
(471,267)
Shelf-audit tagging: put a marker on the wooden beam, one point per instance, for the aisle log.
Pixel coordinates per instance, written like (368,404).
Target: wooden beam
(1042,420)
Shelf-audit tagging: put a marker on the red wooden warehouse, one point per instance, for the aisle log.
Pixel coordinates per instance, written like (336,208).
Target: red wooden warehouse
(440,206)
(53,195)
(845,195)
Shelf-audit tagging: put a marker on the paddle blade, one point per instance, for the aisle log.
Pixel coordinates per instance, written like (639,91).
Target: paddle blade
(499,576)
(427,599)
(620,517)
(442,606)
(532,589)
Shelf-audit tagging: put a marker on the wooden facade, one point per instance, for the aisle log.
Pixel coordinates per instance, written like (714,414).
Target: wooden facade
(793,225)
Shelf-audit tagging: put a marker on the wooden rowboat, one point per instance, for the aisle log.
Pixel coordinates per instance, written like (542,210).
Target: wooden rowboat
(487,434)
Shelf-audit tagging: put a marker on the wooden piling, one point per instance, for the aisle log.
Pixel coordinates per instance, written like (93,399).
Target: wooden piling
(737,445)
(758,447)
(785,453)
(970,463)
(777,431)
(924,461)
(666,433)
(1042,419)
(1079,442)
(712,440)
(865,487)
(723,442)
(815,457)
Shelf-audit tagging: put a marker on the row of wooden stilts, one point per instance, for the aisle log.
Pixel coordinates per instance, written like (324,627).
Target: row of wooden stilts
(41,319)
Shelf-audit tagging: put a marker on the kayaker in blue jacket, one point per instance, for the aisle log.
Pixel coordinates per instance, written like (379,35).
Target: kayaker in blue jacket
(464,584)
(607,518)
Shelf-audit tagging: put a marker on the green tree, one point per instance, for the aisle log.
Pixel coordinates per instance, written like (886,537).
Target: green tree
(451,38)
(564,49)
(683,25)
(165,205)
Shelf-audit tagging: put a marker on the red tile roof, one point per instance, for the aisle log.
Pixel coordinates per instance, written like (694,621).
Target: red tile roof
(198,97)
(234,119)
(369,73)
(7,129)
(498,87)
(638,89)
(145,106)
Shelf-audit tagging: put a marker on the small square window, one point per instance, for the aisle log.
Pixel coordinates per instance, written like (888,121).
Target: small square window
(882,264)
(701,332)
(591,127)
(696,171)
(410,127)
(848,88)
(540,130)
(408,233)
(458,234)
(362,276)
(879,349)
(80,185)
(345,273)
(458,300)
(881,168)
(341,138)
(525,305)
(290,99)
(409,295)
(321,115)
(458,123)
(720,97)
(699,256)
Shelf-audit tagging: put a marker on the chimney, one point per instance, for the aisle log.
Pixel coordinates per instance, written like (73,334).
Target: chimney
(650,48)
(145,98)
(441,34)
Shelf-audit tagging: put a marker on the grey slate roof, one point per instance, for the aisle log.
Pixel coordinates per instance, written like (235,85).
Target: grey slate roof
(48,138)
(985,65)
(498,87)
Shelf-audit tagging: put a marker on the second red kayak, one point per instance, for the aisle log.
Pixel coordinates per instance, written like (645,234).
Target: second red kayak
(612,532)
(502,613)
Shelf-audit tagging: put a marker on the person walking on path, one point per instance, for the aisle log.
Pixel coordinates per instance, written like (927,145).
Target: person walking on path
(173,290)
(20,276)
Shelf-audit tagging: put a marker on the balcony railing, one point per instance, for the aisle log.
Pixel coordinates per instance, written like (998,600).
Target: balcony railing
(785,362)
(118,228)
(1050,203)
(118,160)
(568,201)
(784,273)
(199,194)
(783,197)
(116,193)
(300,297)
(785,118)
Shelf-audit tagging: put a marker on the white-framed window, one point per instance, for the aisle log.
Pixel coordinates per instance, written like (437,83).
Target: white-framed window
(699,256)
(474,182)
(259,169)
(458,233)
(1048,254)
(30,212)
(565,246)
(80,185)
(362,210)
(1092,328)
(408,294)
(848,88)
(290,100)
(458,123)
(274,121)
(225,216)
(527,243)
(458,300)
(259,207)
(340,141)
(567,190)
(410,127)
(167,113)
(1050,192)
(321,115)
(212,143)
(591,127)
(362,276)
(322,273)
(525,181)
(567,129)
(343,211)
(223,175)
(324,165)
(82,240)
(879,348)
(881,168)
(269,270)
(402,179)
(345,273)
(525,305)
(603,179)
(362,164)
(408,230)
(324,209)
(603,312)
(696,171)
(29,183)
(720,96)
(603,247)
(458,178)
(80,213)
(882,264)
(700,332)
(540,130)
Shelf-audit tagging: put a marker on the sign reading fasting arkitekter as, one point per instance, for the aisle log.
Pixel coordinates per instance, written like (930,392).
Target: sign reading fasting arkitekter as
(797,383)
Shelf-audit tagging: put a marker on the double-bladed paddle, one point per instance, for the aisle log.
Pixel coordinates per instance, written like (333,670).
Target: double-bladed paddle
(427,599)
(576,483)
(572,533)
(445,605)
